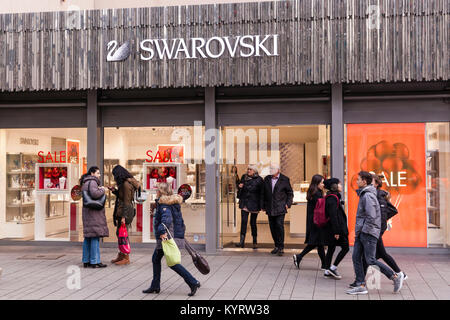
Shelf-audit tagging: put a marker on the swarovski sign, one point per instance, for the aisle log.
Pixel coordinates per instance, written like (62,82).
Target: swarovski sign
(198,48)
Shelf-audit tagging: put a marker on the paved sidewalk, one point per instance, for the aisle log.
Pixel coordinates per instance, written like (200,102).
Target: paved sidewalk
(234,275)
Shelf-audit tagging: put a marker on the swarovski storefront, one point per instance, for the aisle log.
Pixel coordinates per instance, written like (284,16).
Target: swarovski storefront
(220,93)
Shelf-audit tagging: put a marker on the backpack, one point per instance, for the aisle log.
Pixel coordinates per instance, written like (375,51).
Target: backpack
(320,219)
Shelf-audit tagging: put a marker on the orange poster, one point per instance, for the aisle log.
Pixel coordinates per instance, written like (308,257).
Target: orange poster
(397,152)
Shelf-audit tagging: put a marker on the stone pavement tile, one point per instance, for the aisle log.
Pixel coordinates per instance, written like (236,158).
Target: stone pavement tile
(247,286)
(266,279)
(176,284)
(232,286)
(222,275)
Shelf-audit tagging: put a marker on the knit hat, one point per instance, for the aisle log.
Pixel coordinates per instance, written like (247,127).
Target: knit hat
(329,182)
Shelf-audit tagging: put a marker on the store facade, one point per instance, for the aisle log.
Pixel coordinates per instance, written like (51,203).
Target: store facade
(317,90)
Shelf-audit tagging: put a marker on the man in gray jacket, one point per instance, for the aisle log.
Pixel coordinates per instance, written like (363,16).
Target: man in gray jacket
(367,232)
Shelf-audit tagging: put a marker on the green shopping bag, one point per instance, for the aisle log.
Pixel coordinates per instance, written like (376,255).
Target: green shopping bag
(171,251)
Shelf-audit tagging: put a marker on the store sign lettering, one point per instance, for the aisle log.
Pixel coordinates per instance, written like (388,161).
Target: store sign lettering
(52,157)
(393,180)
(195,48)
(34,142)
(165,157)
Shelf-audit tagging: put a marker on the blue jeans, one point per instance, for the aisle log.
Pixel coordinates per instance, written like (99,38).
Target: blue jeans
(366,245)
(91,250)
(178,268)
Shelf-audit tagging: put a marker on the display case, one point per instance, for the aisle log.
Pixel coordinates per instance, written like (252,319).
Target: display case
(433,188)
(20,194)
(109,164)
(161,172)
(53,178)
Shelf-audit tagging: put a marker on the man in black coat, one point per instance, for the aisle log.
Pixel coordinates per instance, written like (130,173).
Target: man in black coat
(278,196)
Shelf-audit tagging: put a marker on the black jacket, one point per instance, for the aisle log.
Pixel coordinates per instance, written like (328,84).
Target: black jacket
(314,235)
(335,211)
(251,195)
(275,203)
(382,199)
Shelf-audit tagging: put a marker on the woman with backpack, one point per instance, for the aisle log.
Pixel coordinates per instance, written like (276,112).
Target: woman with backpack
(315,237)
(168,216)
(334,210)
(94,221)
(251,196)
(124,210)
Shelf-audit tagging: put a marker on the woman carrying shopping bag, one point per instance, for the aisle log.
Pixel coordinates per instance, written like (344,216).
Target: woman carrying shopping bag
(124,210)
(168,224)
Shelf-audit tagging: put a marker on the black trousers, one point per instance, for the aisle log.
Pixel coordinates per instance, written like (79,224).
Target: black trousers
(382,254)
(276,224)
(244,221)
(320,252)
(343,243)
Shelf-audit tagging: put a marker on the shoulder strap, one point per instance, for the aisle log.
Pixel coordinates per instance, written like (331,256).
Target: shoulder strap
(335,197)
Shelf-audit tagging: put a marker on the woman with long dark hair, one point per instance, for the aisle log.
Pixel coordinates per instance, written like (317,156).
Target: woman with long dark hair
(94,221)
(124,207)
(315,237)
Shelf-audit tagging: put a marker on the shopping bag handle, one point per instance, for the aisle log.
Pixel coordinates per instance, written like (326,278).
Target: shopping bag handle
(167,230)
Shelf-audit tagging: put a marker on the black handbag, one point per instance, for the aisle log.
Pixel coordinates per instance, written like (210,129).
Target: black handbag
(199,262)
(94,204)
(391,210)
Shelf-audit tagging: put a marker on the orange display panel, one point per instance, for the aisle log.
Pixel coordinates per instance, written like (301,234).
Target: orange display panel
(397,152)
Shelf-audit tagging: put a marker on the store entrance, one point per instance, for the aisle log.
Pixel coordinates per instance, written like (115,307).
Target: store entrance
(300,151)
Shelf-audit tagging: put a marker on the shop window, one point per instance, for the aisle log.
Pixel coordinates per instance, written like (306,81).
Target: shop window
(30,209)
(152,155)
(438,166)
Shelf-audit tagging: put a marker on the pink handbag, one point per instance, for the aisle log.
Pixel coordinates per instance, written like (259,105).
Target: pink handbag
(124,242)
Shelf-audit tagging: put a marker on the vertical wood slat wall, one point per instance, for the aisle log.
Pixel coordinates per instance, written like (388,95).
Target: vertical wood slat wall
(321,41)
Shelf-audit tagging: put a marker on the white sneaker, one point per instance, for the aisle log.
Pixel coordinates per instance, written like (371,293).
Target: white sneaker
(404,275)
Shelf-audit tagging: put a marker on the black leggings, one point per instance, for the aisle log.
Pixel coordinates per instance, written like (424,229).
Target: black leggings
(382,254)
(320,251)
(343,243)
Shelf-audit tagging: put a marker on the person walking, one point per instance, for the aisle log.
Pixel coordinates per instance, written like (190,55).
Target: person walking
(250,195)
(315,237)
(168,215)
(94,221)
(334,209)
(278,196)
(367,232)
(124,207)
(383,198)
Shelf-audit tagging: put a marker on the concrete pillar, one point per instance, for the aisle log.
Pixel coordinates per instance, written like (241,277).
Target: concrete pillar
(211,153)
(337,132)
(95,141)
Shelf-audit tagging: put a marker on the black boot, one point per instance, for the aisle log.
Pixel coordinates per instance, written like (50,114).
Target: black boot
(255,243)
(242,242)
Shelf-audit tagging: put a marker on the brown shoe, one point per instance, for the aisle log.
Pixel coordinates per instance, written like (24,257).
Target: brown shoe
(124,261)
(119,257)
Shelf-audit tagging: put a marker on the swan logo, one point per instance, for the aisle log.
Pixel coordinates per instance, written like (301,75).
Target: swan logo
(118,54)
(194,48)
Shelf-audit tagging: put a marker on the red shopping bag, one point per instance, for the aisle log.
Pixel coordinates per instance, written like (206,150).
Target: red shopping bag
(124,242)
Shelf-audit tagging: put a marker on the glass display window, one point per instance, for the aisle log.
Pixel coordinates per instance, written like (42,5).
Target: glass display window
(22,151)
(159,154)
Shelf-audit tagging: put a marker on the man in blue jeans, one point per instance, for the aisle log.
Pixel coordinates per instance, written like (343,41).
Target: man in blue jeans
(367,232)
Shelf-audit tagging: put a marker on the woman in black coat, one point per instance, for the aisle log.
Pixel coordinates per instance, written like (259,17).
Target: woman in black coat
(315,236)
(250,194)
(338,226)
